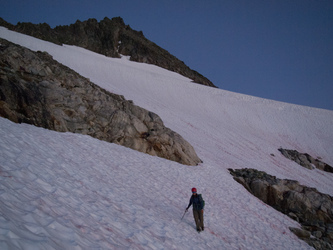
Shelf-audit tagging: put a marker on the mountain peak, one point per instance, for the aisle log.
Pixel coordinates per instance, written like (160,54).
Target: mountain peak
(113,38)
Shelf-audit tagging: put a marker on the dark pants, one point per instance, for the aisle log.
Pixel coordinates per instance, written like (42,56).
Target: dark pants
(198,218)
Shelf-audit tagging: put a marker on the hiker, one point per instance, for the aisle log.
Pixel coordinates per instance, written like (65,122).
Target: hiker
(198,206)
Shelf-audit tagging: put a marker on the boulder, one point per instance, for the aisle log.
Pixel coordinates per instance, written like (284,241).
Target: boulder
(301,233)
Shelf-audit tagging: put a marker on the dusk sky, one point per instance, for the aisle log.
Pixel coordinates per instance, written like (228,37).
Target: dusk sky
(280,50)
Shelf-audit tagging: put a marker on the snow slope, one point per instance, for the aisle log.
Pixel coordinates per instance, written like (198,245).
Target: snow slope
(70,191)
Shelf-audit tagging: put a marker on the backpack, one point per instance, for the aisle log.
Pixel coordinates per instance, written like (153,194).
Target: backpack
(203,201)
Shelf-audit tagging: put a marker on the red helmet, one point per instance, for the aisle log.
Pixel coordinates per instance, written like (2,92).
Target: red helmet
(194,190)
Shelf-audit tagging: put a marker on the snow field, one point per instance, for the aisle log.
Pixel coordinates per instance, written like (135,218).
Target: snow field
(80,193)
(69,191)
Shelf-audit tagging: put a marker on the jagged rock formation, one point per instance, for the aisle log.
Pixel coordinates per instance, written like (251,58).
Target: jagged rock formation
(306,160)
(35,89)
(312,209)
(111,38)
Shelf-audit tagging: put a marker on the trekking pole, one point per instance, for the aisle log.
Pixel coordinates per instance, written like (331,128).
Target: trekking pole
(183,215)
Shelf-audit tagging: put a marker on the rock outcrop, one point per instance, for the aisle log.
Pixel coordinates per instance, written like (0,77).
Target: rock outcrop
(110,37)
(312,209)
(305,160)
(35,89)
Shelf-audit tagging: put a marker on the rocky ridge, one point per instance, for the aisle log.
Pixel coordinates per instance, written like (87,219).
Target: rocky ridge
(110,37)
(37,90)
(312,209)
(306,160)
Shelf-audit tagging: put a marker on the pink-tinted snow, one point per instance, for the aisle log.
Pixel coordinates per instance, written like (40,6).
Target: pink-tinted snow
(70,191)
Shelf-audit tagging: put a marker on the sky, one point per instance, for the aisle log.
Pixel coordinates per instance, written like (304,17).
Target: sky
(279,50)
(71,191)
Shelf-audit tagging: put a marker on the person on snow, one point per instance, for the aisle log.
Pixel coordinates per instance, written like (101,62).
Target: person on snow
(198,206)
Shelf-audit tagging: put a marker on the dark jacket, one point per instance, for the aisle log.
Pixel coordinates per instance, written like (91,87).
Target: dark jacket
(197,202)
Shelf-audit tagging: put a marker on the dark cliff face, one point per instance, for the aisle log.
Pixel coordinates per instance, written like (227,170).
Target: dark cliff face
(110,37)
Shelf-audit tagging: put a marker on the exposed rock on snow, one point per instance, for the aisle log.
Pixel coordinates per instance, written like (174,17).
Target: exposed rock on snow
(306,160)
(36,89)
(314,210)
